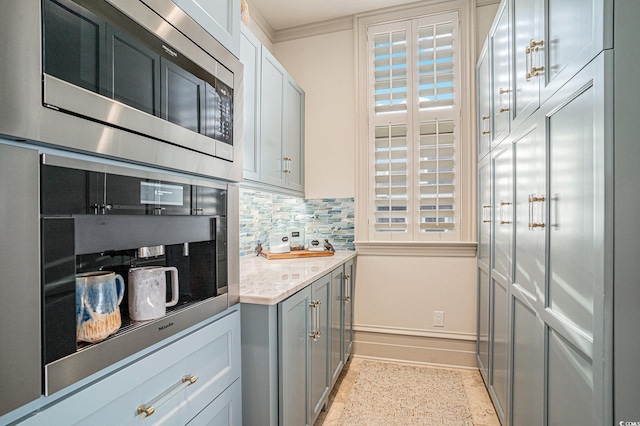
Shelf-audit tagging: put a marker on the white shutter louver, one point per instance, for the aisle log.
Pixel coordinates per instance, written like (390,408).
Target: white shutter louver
(390,71)
(391,178)
(435,66)
(437,177)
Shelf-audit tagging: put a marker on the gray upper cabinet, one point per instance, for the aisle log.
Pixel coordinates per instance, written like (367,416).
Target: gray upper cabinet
(220,18)
(501,76)
(565,49)
(528,48)
(250,56)
(483,76)
(281,127)
(273,121)
(293,136)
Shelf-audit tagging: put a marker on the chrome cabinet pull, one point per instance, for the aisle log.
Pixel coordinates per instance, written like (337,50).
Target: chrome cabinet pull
(532,223)
(485,118)
(146,410)
(484,216)
(502,108)
(315,324)
(534,47)
(287,165)
(347,289)
(502,221)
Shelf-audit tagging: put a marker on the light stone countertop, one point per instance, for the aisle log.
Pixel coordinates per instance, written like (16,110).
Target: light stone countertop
(268,282)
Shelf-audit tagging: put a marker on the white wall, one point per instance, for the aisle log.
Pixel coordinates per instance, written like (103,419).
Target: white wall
(395,295)
(484,19)
(323,66)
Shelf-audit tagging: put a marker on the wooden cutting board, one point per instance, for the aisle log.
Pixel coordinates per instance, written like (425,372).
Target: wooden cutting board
(295,254)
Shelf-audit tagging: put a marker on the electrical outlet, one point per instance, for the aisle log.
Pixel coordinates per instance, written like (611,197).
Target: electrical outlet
(438,318)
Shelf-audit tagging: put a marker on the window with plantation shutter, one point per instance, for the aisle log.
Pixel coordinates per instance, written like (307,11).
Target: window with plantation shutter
(414,129)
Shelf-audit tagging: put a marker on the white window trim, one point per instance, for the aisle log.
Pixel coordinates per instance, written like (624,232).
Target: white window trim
(467,169)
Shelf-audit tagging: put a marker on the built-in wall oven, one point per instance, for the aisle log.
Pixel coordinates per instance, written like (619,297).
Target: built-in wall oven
(133,79)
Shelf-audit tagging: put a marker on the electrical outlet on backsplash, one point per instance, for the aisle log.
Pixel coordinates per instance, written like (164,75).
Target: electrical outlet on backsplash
(262,213)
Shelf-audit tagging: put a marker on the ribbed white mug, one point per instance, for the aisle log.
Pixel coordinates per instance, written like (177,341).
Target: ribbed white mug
(148,292)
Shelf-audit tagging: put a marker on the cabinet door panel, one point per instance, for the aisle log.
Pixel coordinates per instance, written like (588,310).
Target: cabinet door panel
(503,210)
(483,322)
(294,325)
(527,28)
(484,103)
(337,323)
(485,216)
(273,81)
(319,349)
(501,69)
(500,346)
(250,58)
(293,135)
(530,215)
(575,301)
(576,211)
(220,18)
(528,366)
(570,387)
(349,291)
(568,48)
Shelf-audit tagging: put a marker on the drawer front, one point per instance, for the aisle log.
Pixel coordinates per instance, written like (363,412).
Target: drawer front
(212,354)
(226,410)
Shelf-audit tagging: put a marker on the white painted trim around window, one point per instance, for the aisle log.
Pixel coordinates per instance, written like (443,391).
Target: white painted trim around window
(467,170)
(416,248)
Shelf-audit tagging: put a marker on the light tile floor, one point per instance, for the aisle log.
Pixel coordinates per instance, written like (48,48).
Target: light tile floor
(482,409)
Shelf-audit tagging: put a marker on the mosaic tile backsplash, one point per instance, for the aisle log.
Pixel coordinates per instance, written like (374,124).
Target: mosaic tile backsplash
(262,213)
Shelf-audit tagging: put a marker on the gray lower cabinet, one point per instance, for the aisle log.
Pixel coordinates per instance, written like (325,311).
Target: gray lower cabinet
(194,380)
(342,280)
(293,351)
(337,323)
(349,280)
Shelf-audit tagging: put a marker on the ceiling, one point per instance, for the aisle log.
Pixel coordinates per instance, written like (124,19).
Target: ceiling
(283,14)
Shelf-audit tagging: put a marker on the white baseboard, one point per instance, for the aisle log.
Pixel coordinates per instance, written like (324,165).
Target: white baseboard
(391,345)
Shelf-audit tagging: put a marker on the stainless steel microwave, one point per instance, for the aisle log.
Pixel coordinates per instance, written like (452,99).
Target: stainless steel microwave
(136,80)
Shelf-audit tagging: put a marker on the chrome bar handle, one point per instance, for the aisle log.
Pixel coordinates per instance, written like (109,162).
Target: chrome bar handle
(314,315)
(347,289)
(484,217)
(484,118)
(502,108)
(146,410)
(318,332)
(502,221)
(535,47)
(532,224)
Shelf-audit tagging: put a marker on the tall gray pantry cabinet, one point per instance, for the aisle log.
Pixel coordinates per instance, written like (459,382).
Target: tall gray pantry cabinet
(557,133)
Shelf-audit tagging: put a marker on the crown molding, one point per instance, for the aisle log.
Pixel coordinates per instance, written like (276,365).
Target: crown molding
(315,28)
(262,23)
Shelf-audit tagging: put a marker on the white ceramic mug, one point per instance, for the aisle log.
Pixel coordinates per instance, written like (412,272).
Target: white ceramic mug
(148,292)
